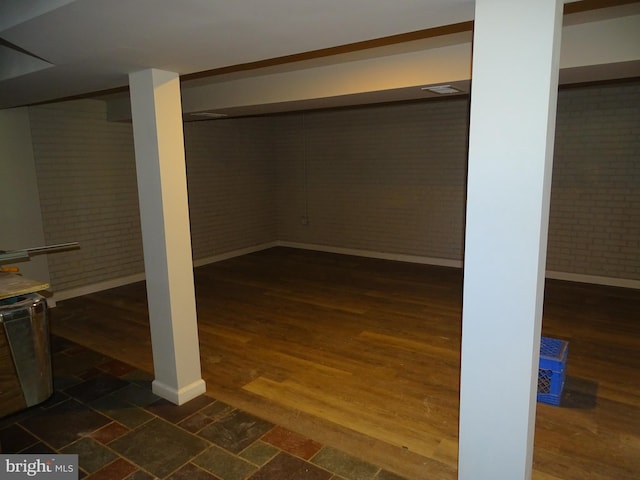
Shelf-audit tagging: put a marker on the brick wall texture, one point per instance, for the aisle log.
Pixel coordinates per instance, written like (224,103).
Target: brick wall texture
(88,192)
(231,181)
(387,179)
(594,225)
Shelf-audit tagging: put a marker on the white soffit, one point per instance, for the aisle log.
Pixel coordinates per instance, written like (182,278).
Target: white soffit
(592,50)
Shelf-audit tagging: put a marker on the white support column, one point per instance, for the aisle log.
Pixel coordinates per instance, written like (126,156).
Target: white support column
(513,107)
(162,189)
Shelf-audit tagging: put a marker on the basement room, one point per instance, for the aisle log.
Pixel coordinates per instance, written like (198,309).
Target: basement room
(321,240)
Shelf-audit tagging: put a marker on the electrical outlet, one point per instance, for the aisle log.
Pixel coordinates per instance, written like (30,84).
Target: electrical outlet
(304,220)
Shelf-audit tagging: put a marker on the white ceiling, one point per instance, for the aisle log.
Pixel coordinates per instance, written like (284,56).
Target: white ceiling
(53,49)
(91,45)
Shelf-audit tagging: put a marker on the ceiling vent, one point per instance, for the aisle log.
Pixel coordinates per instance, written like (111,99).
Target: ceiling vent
(442,89)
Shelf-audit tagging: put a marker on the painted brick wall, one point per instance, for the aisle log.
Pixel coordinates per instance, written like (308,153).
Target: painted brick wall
(88,192)
(391,179)
(594,225)
(231,179)
(386,179)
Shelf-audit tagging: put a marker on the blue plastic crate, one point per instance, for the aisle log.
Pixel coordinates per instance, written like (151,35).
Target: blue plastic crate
(552,369)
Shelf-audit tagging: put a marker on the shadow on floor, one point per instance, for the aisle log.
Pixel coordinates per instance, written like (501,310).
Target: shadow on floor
(579,393)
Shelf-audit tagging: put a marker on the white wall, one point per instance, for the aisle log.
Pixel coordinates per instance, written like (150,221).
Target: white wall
(88,192)
(594,225)
(231,176)
(385,179)
(20,215)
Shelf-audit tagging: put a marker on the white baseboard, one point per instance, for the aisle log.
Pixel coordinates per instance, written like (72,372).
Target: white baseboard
(443,262)
(97,287)
(595,279)
(235,253)
(181,395)
(118,282)
(398,257)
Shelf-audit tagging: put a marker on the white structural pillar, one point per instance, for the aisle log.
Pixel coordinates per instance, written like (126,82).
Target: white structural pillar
(162,190)
(513,106)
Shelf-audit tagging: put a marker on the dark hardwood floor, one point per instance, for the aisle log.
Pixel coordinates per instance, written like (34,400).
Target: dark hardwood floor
(363,355)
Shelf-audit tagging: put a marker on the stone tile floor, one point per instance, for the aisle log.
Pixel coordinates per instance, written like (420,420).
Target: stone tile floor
(104,411)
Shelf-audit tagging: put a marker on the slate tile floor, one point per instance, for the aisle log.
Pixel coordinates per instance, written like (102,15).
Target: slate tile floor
(104,411)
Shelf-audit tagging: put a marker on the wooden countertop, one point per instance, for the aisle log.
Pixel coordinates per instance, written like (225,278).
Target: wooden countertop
(14,284)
